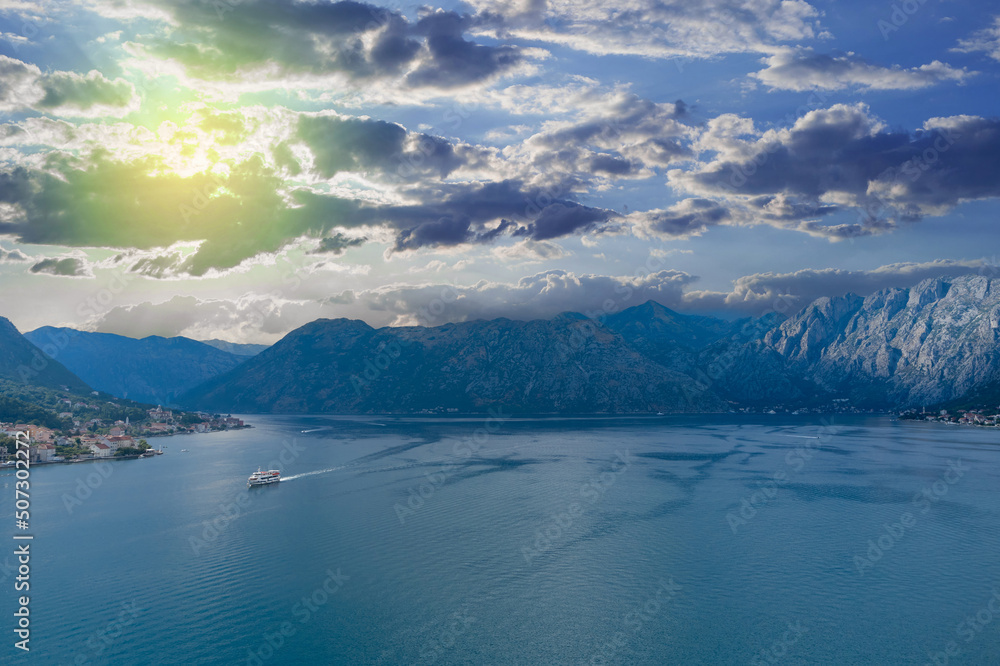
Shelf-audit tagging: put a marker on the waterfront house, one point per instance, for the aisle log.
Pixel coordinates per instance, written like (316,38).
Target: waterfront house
(120,442)
(100,449)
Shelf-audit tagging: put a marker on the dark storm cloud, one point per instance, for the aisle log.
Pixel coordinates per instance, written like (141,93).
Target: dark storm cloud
(70,267)
(563,219)
(843,154)
(687,218)
(12,256)
(455,61)
(337,244)
(366,145)
(217,40)
(68,89)
(625,137)
(107,203)
(463,216)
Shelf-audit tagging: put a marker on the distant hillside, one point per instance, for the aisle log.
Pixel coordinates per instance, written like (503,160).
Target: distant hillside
(152,370)
(563,365)
(21,362)
(935,342)
(239,349)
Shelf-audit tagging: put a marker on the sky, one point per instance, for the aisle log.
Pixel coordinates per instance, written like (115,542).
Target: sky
(235,169)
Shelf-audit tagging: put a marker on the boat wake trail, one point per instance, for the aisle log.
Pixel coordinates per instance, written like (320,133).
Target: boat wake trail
(363,469)
(313,473)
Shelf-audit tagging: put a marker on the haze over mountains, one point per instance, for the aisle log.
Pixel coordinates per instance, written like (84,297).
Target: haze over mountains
(154,370)
(931,343)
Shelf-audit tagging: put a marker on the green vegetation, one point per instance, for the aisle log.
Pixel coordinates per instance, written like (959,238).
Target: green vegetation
(71,451)
(22,404)
(188,418)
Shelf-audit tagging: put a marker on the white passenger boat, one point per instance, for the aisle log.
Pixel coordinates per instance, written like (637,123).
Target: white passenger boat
(263,478)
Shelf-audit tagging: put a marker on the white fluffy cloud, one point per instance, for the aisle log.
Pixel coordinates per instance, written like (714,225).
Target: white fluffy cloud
(25,86)
(985,41)
(268,317)
(530,252)
(762,292)
(802,69)
(663,28)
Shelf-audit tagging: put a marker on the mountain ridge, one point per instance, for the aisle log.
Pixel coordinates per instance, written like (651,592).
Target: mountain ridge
(153,369)
(23,362)
(899,347)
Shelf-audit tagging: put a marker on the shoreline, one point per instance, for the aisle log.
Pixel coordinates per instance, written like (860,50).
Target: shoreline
(75,461)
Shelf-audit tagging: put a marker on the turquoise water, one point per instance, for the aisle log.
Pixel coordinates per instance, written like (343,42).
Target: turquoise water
(555,541)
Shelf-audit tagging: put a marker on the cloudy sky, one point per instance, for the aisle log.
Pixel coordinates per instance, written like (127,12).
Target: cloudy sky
(236,168)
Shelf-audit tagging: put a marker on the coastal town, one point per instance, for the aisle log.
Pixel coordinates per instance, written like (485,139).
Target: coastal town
(96,438)
(989,418)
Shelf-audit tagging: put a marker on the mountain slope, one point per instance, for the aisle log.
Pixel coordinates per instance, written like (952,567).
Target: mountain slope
(153,370)
(898,347)
(22,362)
(561,365)
(653,327)
(235,347)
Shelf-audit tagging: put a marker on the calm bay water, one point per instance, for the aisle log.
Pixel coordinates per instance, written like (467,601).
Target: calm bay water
(555,541)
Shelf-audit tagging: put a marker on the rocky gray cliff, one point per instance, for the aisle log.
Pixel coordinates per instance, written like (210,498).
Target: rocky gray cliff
(899,347)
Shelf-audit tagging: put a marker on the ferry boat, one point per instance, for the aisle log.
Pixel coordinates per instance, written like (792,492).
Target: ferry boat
(262,478)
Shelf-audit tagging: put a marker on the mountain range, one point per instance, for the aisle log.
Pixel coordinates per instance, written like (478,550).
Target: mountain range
(24,363)
(932,343)
(152,370)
